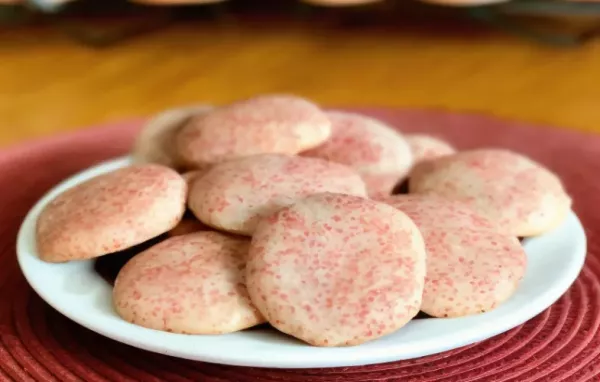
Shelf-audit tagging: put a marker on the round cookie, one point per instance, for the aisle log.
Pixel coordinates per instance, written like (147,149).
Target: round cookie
(233,196)
(470,271)
(155,142)
(471,268)
(378,152)
(426,147)
(111,212)
(193,284)
(523,197)
(337,270)
(266,124)
(190,176)
(436,211)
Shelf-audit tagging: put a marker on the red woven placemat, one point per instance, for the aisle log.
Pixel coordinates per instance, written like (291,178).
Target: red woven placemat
(561,344)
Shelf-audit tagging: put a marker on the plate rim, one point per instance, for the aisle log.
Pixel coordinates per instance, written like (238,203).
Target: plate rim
(380,355)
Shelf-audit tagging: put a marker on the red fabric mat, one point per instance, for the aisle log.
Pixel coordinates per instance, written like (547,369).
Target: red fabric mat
(561,344)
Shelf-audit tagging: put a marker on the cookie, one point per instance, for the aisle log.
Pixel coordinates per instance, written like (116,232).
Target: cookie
(233,196)
(426,147)
(155,142)
(469,271)
(337,270)
(110,213)
(522,196)
(191,284)
(378,152)
(267,124)
(471,267)
(436,211)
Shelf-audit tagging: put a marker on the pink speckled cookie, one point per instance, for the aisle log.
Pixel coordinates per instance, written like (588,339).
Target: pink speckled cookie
(471,268)
(337,270)
(425,147)
(378,152)
(470,271)
(192,284)
(266,124)
(156,141)
(523,197)
(439,212)
(234,195)
(111,212)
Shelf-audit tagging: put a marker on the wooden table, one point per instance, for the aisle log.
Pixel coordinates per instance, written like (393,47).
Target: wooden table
(49,84)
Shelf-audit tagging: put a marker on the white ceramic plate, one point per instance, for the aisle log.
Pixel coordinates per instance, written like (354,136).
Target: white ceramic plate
(75,290)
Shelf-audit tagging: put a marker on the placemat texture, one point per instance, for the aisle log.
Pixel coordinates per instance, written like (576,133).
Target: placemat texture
(561,344)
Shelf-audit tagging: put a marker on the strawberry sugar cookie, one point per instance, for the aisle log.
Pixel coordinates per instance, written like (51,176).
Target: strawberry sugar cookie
(471,268)
(432,210)
(155,143)
(522,196)
(379,153)
(337,270)
(233,196)
(469,271)
(275,124)
(426,147)
(191,284)
(111,212)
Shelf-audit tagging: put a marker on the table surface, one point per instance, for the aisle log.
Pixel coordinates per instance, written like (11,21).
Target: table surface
(50,84)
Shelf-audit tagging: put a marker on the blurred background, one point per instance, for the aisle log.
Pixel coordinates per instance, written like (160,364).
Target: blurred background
(65,65)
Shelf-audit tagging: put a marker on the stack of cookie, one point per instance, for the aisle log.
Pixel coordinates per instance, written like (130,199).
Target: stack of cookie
(273,210)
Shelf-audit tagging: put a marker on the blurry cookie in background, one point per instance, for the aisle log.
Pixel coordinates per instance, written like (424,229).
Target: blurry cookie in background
(425,147)
(156,141)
